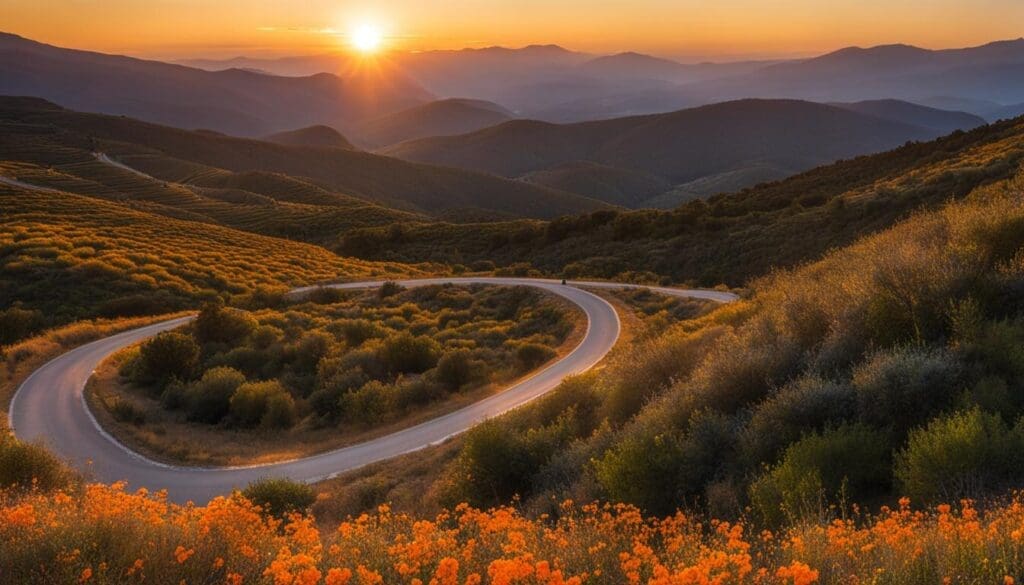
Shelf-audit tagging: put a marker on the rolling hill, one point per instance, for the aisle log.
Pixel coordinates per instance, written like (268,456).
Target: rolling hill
(72,256)
(233,101)
(678,147)
(311,136)
(440,118)
(730,238)
(941,121)
(170,159)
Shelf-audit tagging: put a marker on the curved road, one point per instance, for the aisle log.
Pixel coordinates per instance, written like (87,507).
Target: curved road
(50,405)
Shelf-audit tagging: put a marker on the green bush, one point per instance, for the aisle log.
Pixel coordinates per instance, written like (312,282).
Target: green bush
(659,471)
(252,402)
(532,355)
(901,388)
(24,465)
(455,369)
(217,323)
(807,404)
(846,464)
(967,454)
(279,497)
(369,404)
(168,355)
(406,353)
(208,399)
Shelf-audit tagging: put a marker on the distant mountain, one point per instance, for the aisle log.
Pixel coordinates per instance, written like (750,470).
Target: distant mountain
(440,118)
(631,65)
(311,136)
(941,121)
(993,72)
(167,158)
(232,101)
(678,147)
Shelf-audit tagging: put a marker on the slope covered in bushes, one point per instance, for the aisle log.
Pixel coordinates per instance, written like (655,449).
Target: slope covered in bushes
(892,367)
(65,257)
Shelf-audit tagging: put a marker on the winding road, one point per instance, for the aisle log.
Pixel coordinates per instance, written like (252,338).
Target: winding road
(50,405)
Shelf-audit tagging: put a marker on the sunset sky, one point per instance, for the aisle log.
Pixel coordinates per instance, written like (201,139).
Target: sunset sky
(687,29)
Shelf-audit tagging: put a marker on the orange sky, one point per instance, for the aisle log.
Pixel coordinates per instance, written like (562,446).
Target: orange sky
(677,28)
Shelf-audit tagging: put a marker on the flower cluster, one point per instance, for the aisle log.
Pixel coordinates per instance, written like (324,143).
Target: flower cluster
(105,534)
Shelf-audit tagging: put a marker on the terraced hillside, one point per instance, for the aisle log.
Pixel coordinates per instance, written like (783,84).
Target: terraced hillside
(65,256)
(727,238)
(362,185)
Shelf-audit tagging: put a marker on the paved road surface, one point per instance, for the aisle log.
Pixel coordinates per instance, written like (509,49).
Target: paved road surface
(50,406)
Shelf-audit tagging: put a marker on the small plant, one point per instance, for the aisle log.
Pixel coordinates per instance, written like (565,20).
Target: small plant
(279,497)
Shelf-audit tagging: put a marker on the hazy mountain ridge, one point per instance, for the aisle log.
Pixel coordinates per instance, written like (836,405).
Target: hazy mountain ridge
(678,147)
(232,101)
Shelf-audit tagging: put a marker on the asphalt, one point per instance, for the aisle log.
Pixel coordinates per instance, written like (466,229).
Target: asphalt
(50,406)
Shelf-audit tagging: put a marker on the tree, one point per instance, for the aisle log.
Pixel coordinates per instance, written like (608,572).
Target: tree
(168,355)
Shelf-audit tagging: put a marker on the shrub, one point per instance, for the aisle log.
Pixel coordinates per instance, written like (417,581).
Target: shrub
(168,355)
(967,454)
(532,355)
(208,400)
(356,331)
(17,323)
(902,388)
(389,289)
(24,465)
(807,404)
(279,497)
(279,412)
(659,471)
(369,404)
(252,402)
(455,369)
(126,412)
(216,323)
(851,461)
(407,353)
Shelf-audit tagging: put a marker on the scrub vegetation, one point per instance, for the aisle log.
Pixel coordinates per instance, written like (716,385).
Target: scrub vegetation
(312,372)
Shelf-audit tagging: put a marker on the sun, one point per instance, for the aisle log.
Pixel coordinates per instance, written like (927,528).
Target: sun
(366,38)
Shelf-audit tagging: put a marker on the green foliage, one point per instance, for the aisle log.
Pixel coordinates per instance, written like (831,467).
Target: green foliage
(218,324)
(455,369)
(964,455)
(208,399)
(809,403)
(25,465)
(902,388)
(279,497)
(660,472)
(842,465)
(262,403)
(168,355)
(408,353)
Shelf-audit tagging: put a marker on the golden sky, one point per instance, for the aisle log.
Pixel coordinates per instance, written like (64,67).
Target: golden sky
(675,28)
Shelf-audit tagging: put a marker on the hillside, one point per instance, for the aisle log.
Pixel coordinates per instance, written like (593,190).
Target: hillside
(311,136)
(850,381)
(941,121)
(615,185)
(42,134)
(734,237)
(233,101)
(70,257)
(678,147)
(441,118)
